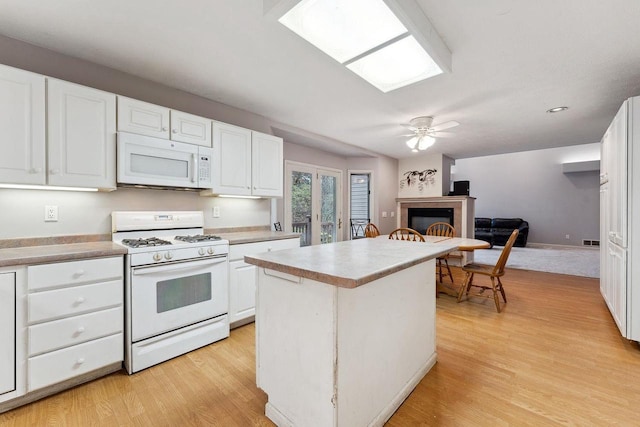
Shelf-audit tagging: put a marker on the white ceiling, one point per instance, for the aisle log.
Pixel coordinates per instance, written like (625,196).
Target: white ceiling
(511,60)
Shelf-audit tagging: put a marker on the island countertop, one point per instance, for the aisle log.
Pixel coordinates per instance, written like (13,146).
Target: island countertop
(351,263)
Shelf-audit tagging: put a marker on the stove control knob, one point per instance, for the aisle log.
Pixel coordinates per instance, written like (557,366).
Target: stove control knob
(157,256)
(211,251)
(168,255)
(201,251)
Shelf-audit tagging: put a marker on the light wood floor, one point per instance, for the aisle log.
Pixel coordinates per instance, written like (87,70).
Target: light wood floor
(552,357)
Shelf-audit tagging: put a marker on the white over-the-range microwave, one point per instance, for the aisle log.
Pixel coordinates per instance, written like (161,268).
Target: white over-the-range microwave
(148,161)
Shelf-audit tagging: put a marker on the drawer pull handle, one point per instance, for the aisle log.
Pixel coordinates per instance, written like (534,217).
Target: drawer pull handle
(81,329)
(80,361)
(80,273)
(80,300)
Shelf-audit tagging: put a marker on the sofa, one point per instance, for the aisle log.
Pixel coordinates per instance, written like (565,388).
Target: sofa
(496,231)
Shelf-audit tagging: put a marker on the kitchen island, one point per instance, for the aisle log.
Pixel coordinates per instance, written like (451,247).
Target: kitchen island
(344,331)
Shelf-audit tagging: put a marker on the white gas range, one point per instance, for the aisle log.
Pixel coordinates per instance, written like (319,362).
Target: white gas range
(176,285)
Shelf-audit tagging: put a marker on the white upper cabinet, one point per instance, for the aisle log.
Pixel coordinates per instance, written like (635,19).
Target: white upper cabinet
(232,160)
(81,136)
(246,163)
(191,129)
(22,120)
(161,122)
(141,117)
(266,165)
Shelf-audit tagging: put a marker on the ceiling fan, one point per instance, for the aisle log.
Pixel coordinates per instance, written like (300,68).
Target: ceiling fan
(424,135)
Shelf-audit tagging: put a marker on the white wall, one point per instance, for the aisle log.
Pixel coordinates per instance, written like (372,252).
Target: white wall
(411,185)
(530,185)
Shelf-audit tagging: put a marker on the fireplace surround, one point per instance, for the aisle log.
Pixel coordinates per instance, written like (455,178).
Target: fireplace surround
(463,215)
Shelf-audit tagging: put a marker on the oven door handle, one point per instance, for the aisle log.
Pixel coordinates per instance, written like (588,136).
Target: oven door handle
(186,265)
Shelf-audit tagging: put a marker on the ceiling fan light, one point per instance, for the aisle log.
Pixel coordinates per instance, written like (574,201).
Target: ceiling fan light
(412,142)
(426,142)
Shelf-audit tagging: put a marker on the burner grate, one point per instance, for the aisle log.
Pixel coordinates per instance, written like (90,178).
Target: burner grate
(143,243)
(198,238)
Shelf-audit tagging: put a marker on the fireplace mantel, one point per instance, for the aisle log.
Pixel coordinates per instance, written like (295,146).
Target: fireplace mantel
(463,214)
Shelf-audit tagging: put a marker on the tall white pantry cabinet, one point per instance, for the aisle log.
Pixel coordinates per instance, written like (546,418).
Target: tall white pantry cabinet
(620,219)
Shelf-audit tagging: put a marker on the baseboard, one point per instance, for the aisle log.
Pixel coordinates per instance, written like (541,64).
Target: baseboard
(276,416)
(551,245)
(395,403)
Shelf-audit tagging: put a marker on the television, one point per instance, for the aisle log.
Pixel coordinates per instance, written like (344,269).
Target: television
(460,188)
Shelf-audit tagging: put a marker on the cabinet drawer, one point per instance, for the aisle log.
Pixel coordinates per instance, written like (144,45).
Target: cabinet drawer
(69,273)
(49,305)
(57,366)
(242,250)
(74,330)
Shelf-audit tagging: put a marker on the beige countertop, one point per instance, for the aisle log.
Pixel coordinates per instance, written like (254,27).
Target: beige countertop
(237,238)
(351,263)
(29,255)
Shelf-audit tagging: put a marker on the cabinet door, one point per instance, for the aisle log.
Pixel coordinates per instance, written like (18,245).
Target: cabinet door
(190,129)
(22,118)
(142,118)
(7,332)
(266,165)
(616,288)
(615,141)
(242,292)
(82,136)
(232,159)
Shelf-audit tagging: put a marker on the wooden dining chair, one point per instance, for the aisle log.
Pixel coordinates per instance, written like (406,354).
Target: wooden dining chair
(406,234)
(493,272)
(443,229)
(370,230)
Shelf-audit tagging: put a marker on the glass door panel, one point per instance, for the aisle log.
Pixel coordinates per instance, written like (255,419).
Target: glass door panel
(301,205)
(329,218)
(312,204)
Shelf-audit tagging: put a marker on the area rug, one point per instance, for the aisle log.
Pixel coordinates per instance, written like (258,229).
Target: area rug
(552,259)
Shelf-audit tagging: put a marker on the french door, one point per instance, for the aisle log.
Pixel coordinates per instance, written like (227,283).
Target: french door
(313,203)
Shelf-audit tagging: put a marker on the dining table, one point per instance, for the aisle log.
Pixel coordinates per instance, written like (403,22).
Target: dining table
(465,244)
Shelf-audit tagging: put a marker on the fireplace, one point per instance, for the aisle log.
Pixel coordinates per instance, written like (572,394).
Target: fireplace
(421,218)
(440,209)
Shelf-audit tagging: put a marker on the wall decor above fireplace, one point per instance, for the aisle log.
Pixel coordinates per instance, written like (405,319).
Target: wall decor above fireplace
(421,179)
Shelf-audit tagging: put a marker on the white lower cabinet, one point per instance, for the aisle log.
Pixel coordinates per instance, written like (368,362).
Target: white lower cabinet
(7,332)
(242,277)
(57,366)
(75,319)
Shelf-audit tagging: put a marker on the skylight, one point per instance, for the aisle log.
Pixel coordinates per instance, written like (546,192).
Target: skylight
(365,36)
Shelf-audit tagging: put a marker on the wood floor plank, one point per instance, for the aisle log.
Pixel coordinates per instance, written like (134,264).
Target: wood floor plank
(553,357)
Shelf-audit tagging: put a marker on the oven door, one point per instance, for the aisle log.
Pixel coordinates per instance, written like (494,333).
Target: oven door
(169,296)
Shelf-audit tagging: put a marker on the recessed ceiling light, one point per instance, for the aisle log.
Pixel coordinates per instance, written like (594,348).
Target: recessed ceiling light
(557,109)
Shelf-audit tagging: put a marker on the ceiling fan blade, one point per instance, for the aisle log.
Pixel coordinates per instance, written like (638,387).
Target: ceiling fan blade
(444,134)
(445,125)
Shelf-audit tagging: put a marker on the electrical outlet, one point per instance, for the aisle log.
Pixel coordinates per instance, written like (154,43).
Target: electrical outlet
(384,214)
(216,211)
(50,213)
(393,214)
(566,236)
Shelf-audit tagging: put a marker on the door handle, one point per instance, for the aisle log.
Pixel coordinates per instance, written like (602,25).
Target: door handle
(339,223)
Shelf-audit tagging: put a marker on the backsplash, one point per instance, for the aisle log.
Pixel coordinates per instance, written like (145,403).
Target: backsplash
(23,211)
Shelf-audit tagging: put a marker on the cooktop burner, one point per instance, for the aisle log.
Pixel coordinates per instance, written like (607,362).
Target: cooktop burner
(198,238)
(143,243)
